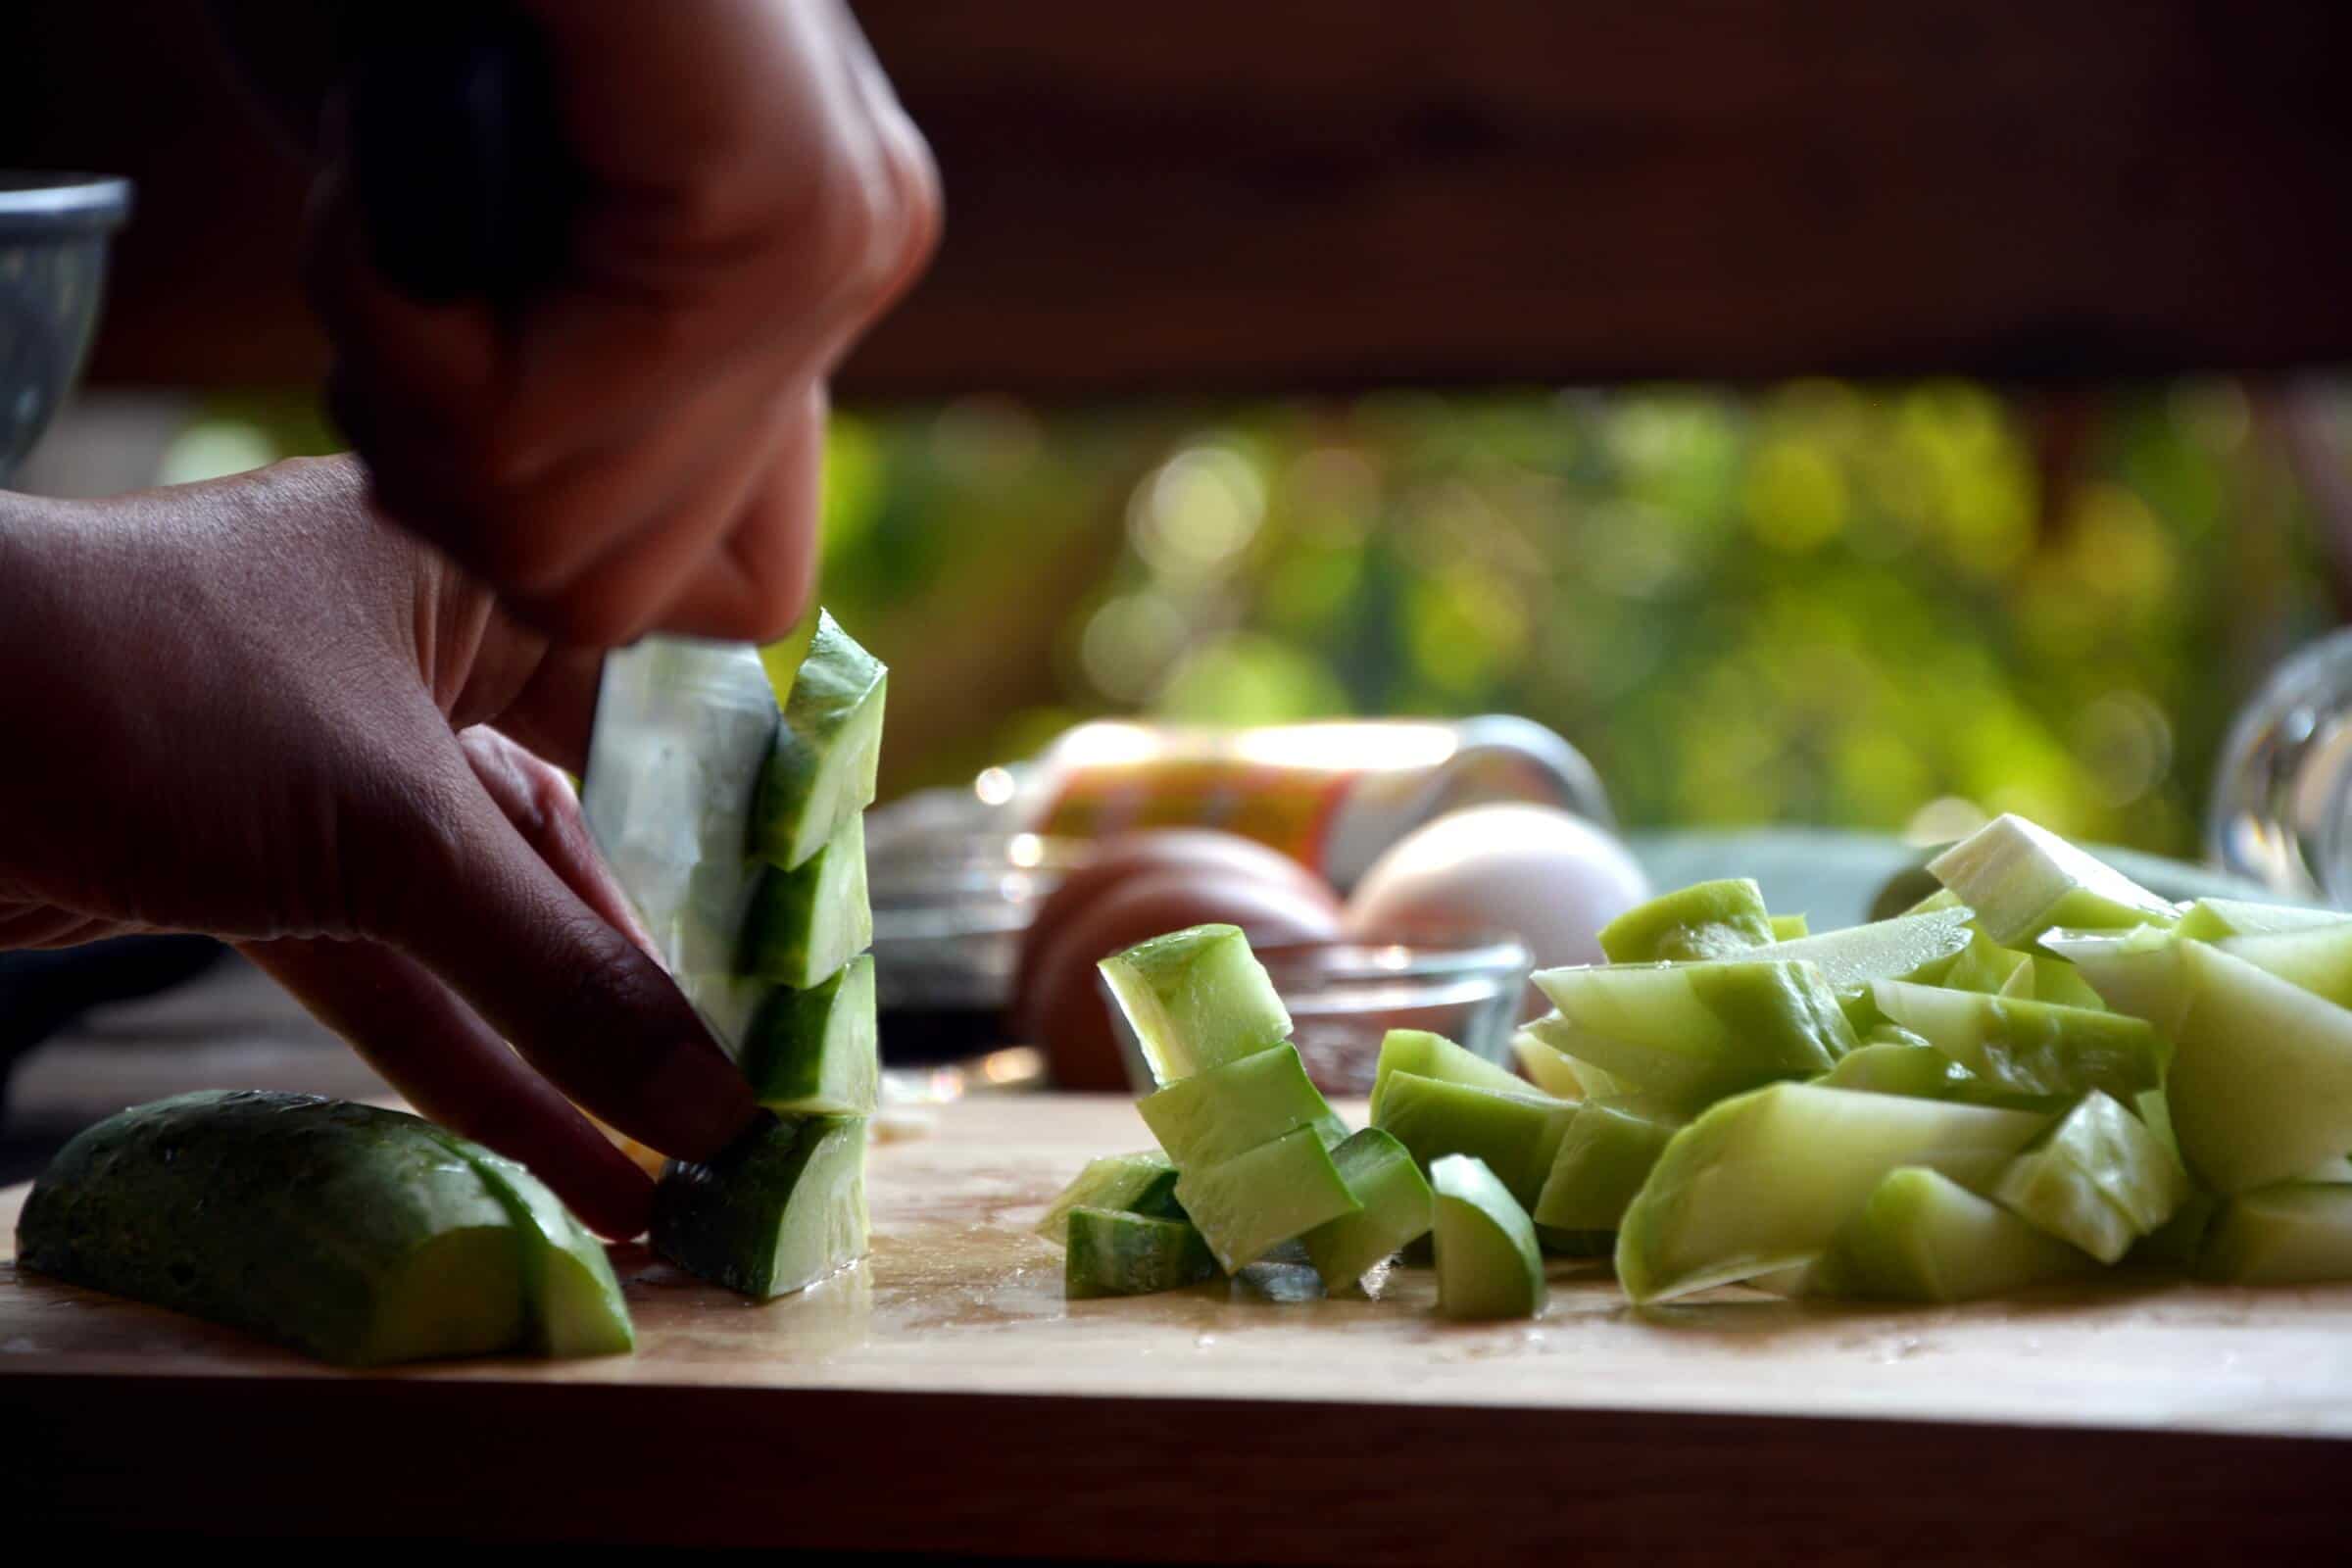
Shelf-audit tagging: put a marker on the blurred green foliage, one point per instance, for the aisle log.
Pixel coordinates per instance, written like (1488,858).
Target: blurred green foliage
(1876,606)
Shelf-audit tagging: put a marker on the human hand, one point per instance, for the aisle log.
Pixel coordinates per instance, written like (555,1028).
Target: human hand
(255,709)
(639,446)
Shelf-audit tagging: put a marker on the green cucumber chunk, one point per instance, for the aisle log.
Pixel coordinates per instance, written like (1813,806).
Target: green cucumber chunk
(1790,927)
(2029,1047)
(2293,1233)
(1899,1064)
(1763,1181)
(779,1209)
(1706,920)
(1553,1071)
(1384,1178)
(2211,920)
(2022,879)
(1988,968)
(2100,1180)
(571,1298)
(2179,1242)
(1605,1157)
(817,1052)
(1197,999)
(1516,1134)
(2319,959)
(804,925)
(2261,1079)
(1112,1253)
(1251,1204)
(2137,971)
(1488,1265)
(1212,1116)
(1923,1237)
(820,770)
(1575,1243)
(1921,947)
(1687,1035)
(355,1234)
(1129,1184)
(1417,1050)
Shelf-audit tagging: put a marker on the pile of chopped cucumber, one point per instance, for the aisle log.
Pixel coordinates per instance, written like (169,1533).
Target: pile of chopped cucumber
(2041,1072)
(736,822)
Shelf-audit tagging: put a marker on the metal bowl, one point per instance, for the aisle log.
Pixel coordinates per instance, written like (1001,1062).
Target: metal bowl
(53,237)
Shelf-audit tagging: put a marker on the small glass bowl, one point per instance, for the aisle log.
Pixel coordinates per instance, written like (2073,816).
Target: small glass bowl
(1345,997)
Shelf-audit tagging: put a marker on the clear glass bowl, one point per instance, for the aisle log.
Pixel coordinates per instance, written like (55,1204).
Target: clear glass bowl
(1344,996)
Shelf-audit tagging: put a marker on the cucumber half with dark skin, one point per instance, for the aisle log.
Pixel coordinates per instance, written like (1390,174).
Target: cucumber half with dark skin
(360,1236)
(777,1210)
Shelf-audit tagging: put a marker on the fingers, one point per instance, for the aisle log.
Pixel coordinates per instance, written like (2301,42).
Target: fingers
(538,801)
(453,1070)
(456,886)
(755,197)
(38,925)
(755,588)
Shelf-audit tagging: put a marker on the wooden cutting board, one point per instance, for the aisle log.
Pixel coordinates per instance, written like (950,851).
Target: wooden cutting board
(943,1397)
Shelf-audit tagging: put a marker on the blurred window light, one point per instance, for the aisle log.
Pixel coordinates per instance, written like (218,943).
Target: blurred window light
(1196,512)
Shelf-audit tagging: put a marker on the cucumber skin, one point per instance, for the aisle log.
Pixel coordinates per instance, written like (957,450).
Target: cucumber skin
(1143,1183)
(1229,1109)
(795,1061)
(804,925)
(835,701)
(1116,1253)
(1195,999)
(732,1221)
(262,1210)
(1717,919)
(554,1241)
(1397,1211)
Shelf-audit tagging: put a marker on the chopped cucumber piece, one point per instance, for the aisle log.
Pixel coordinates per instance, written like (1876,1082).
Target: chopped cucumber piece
(1923,1237)
(1516,1134)
(776,1212)
(1911,1067)
(1687,1035)
(2059,981)
(2022,879)
(1790,927)
(1112,1253)
(1196,1000)
(819,770)
(682,730)
(804,924)
(1605,1157)
(2211,920)
(1988,968)
(1910,947)
(1379,1171)
(351,1234)
(2137,971)
(1706,920)
(1763,1181)
(1417,1050)
(2319,959)
(2295,1234)
(571,1299)
(2029,1047)
(1230,1109)
(1553,1071)
(816,1051)
(1130,1183)
(2179,1242)
(1254,1202)
(2261,1081)
(2101,1180)
(1488,1265)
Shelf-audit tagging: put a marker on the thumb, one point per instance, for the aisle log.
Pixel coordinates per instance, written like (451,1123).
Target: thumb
(464,894)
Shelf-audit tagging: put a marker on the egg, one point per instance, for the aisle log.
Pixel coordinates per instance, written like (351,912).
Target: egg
(1063,1007)
(1131,854)
(1548,877)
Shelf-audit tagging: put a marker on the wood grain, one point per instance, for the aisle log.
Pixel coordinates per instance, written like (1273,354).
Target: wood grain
(1236,196)
(943,1397)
